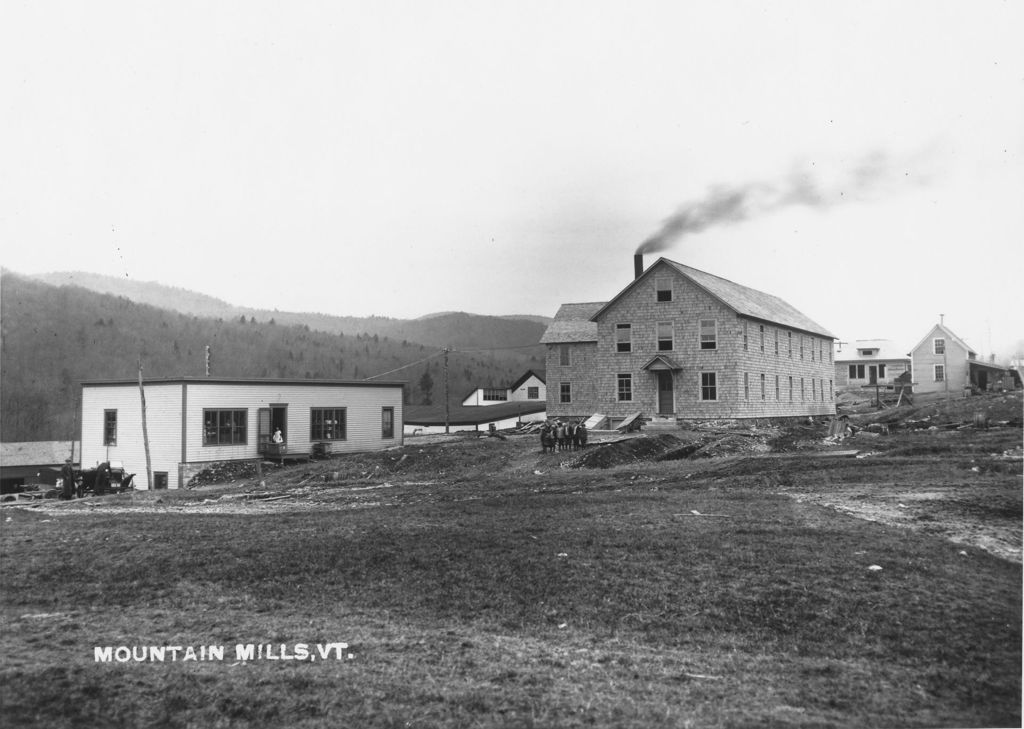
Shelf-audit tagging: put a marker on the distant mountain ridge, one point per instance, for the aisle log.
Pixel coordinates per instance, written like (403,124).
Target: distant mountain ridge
(57,336)
(440,329)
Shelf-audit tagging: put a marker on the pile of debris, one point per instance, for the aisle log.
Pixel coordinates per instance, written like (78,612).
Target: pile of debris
(223,472)
(625,451)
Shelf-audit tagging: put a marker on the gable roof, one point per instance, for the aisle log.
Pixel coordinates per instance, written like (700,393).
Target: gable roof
(539,374)
(886,350)
(948,333)
(741,299)
(573,323)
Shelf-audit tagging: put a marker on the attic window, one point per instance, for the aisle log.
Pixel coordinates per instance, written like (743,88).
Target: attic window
(664,289)
(867,352)
(939,346)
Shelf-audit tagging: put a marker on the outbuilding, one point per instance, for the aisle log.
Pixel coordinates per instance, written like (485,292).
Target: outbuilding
(192,422)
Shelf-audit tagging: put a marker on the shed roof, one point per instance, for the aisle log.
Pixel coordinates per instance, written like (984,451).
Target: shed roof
(37,453)
(459,414)
(572,323)
(741,299)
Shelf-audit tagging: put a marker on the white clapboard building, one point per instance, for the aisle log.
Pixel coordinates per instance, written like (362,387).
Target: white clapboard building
(192,422)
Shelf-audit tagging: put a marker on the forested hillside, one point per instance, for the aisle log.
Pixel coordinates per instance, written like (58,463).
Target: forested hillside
(54,337)
(446,329)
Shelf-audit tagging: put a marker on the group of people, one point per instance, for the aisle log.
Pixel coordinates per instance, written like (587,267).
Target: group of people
(74,483)
(562,436)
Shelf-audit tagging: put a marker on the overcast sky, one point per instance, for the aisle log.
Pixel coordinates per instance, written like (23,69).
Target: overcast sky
(862,160)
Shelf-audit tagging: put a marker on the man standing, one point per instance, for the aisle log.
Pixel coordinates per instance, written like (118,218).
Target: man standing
(67,474)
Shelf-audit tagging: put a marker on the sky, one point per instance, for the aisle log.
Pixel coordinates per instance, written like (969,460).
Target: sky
(863,161)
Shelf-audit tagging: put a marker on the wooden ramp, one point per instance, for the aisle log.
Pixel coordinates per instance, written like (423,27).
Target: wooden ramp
(629,423)
(595,420)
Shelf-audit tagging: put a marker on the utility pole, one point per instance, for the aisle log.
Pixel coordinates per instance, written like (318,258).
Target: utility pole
(74,432)
(145,431)
(446,406)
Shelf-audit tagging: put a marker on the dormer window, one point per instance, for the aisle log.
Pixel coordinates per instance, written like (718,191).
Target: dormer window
(867,352)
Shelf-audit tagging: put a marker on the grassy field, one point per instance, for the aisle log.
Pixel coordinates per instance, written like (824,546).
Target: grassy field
(510,592)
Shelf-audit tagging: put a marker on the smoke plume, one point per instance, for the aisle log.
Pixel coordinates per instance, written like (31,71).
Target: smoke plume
(728,205)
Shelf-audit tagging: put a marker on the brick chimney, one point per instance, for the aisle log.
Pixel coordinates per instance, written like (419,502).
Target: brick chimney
(638,265)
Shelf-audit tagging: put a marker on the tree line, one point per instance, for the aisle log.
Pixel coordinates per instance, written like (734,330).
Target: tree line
(54,338)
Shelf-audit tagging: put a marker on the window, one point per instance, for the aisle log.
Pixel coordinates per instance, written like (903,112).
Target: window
(328,423)
(761,327)
(814,389)
(802,391)
(625,386)
(791,388)
(665,343)
(940,373)
(623,338)
(789,338)
(224,427)
(857,372)
(830,395)
(881,370)
(708,334)
(801,346)
(777,388)
(563,355)
(776,342)
(744,336)
(495,394)
(746,386)
(159,480)
(110,427)
(821,389)
(812,349)
(821,349)
(708,386)
(939,346)
(532,393)
(564,392)
(762,386)
(664,287)
(387,423)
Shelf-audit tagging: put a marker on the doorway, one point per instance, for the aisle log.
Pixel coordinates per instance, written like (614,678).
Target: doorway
(269,420)
(872,375)
(666,401)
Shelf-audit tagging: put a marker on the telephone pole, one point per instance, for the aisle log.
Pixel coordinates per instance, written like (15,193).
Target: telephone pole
(145,431)
(446,406)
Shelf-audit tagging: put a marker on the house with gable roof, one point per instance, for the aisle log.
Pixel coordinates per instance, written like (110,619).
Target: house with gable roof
(943,362)
(682,344)
(529,387)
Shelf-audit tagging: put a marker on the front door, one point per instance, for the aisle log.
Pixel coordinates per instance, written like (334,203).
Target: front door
(873,374)
(666,404)
(279,419)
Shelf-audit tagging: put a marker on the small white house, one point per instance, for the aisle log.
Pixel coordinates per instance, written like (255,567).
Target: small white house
(530,387)
(194,421)
(870,362)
